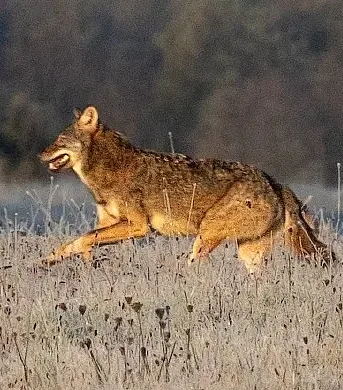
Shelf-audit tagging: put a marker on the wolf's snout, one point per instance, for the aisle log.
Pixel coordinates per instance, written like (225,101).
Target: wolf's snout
(55,160)
(43,157)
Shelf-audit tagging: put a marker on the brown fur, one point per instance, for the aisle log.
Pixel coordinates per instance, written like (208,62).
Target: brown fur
(137,190)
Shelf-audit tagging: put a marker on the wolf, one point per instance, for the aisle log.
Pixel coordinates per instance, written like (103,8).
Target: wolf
(137,191)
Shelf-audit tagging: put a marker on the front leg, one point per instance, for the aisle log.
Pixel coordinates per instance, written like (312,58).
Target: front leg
(102,236)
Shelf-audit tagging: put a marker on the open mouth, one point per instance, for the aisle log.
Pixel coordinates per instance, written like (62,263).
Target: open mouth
(58,162)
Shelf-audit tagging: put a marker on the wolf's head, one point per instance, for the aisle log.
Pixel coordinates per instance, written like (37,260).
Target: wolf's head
(66,151)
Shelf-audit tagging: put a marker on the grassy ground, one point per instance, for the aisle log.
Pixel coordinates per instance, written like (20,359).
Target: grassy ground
(139,318)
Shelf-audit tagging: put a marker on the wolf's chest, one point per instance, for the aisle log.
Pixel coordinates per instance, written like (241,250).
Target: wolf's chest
(77,168)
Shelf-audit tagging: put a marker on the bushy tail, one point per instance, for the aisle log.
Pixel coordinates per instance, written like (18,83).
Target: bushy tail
(300,237)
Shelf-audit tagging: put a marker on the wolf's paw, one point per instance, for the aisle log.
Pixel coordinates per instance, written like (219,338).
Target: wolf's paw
(65,251)
(197,259)
(56,256)
(192,260)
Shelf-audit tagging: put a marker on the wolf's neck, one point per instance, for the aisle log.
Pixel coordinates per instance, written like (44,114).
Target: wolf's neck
(106,156)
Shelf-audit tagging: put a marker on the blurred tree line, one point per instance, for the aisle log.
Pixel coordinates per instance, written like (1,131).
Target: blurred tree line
(255,81)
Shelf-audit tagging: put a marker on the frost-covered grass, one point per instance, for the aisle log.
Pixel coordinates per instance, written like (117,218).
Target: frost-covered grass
(139,318)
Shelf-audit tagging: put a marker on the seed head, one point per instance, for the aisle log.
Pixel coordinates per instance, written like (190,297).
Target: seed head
(82,309)
(87,343)
(118,321)
(190,308)
(62,306)
(159,312)
(136,306)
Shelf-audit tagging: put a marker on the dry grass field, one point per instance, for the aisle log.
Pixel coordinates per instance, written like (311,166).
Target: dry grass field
(139,318)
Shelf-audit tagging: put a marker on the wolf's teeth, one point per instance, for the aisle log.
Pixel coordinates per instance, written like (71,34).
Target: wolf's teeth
(52,167)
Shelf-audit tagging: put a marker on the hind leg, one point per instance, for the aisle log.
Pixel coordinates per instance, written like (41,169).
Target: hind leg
(253,252)
(242,215)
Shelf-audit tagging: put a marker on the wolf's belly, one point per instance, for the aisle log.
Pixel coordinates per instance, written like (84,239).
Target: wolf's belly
(169,225)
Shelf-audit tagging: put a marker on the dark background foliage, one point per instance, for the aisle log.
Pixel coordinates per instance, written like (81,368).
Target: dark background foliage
(256,81)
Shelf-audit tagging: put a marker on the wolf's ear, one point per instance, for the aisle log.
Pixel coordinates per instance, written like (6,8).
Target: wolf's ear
(89,119)
(77,113)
